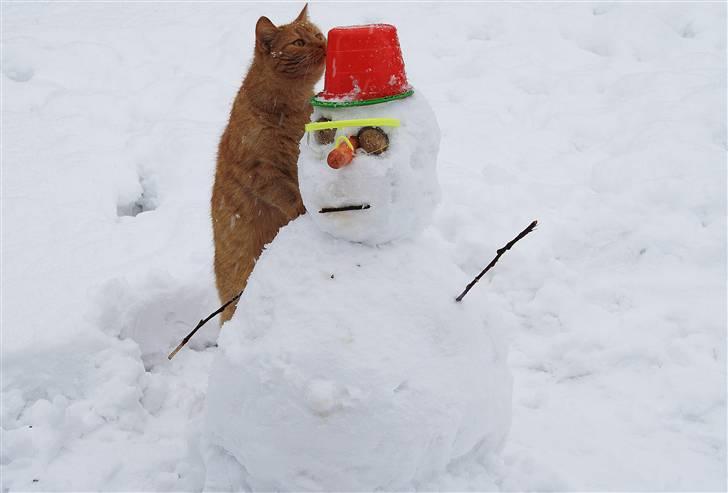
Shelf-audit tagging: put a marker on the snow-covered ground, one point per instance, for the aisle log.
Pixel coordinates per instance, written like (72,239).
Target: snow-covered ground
(607,122)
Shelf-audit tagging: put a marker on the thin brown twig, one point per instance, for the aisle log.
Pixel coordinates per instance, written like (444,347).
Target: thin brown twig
(201,323)
(500,252)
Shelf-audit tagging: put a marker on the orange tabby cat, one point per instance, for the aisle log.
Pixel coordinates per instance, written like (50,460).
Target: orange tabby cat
(256,180)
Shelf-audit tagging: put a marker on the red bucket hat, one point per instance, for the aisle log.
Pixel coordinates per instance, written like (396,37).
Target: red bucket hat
(364,66)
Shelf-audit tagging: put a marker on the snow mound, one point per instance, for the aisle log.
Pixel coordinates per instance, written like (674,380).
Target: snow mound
(348,367)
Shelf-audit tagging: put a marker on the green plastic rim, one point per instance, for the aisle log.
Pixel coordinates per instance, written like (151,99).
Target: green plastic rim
(342,104)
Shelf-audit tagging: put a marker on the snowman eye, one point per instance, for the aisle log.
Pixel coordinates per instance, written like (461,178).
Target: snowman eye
(373,140)
(326,136)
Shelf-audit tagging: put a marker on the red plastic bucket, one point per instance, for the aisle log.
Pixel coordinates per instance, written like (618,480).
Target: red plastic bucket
(363,63)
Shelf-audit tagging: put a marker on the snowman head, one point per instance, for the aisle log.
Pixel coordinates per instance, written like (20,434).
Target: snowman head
(367,168)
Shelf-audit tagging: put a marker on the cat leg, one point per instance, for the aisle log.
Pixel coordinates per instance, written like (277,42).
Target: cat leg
(277,188)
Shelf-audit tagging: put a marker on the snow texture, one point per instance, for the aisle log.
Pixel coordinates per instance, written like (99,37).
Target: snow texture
(605,121)
(400,186)
(347,366)
(381,386)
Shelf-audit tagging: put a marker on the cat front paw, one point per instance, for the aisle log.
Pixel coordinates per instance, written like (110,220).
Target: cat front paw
(300,209)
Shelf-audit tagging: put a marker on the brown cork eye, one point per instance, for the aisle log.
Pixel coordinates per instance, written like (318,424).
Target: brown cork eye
(373,140)
(327,136)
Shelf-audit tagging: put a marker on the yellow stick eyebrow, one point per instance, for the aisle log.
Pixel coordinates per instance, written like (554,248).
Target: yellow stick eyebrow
(363,122)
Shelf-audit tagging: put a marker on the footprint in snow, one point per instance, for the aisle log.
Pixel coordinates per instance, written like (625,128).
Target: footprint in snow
(17,70)
(142,198)
(156,310)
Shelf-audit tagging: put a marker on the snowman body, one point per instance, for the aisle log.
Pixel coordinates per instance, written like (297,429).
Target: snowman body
(348,365)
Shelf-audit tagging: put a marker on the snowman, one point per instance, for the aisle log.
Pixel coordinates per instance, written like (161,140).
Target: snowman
(348,365)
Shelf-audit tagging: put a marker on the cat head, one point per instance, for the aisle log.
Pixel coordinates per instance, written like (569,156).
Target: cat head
(296,50)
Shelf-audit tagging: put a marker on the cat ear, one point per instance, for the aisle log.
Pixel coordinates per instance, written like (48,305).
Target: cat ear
(265,31)
(303,16)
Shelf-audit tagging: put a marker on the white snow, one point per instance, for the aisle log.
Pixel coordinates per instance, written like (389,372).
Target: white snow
(605,121)
(400,185)
(383,385)
(348,365)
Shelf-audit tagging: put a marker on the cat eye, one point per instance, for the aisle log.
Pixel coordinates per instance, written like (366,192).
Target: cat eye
(299,42)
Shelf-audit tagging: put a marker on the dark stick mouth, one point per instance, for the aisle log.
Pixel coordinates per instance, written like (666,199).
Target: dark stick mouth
(360,207)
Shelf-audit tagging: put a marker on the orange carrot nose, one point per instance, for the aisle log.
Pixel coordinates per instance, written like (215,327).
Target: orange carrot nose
(343,153)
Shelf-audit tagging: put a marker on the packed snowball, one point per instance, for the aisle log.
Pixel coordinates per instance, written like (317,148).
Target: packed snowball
(350,367)
(399,187)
